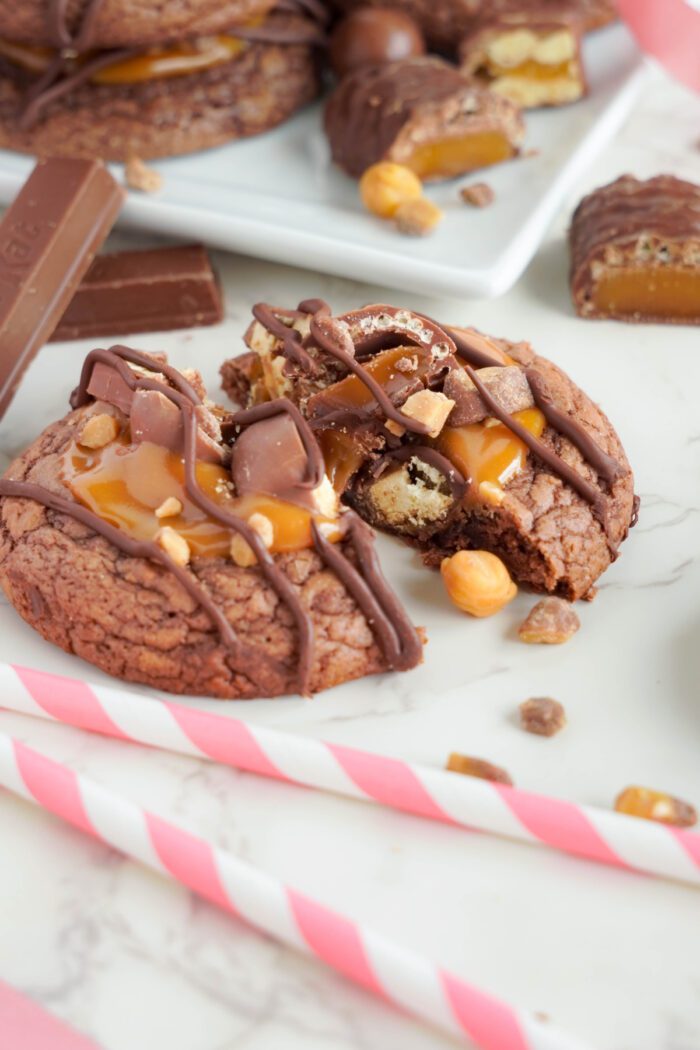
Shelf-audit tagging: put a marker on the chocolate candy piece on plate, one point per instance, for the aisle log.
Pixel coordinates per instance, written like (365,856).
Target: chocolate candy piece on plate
(635,251)
(372,36)
(421,113)
(528,54)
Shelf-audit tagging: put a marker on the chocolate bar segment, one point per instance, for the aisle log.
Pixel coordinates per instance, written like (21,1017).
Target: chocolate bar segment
(48,238)
(156,290)
(423,113)
(528,53)
(635,251)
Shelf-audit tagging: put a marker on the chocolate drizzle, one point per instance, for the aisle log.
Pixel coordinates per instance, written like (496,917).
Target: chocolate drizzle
(61,36)
(476,352)
(395,633)
(546,455)
(605,466)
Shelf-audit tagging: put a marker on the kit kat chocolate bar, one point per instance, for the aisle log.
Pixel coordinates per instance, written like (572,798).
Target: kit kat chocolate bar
(48,238)
(151,290)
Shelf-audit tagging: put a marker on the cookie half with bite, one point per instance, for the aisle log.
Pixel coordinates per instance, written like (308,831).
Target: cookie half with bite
(422,113)
(172,544)
(450,438)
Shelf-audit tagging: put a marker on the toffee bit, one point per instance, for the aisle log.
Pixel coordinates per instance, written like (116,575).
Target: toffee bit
(542,715)
(417,218)
(656,805)
(477,767)
(479,194)
(138,176)
(551,621)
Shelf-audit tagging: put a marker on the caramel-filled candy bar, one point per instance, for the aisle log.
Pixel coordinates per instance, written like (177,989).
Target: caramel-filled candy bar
(635,251)
(424,114)
(528,54)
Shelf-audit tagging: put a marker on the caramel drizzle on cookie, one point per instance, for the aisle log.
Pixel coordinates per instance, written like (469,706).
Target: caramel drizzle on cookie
(365,583)
(327,333)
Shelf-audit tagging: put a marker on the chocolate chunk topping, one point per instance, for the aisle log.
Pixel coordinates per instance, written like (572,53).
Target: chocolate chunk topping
(269,457)
(373,36)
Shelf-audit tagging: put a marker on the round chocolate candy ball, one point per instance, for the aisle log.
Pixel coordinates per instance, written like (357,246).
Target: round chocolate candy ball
(371,36)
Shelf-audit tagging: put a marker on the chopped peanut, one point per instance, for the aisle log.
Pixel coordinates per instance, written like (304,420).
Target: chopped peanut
(477,582)
(169,508)
(551,621)
(140,177)
(542,715)
(174,545)
(98,431)
(417,218)
(655,805)
(477,767)
(241,551)
(385,186)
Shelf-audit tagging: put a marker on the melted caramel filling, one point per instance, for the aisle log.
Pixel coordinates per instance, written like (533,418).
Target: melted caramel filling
(532,70)
(668,291)
(177,60)
(489,453)
(455,156)
(352,393)
(124,484)
(342,455)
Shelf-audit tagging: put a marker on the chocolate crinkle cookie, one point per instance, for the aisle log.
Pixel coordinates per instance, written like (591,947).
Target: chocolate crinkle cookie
(450,438)
(167,542)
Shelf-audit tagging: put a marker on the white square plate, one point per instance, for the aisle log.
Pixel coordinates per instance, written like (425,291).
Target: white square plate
(278,196)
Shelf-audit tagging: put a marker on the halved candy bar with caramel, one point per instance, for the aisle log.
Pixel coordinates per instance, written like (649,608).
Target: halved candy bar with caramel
(450,438)
(528,53)
(424,114)
(635,251)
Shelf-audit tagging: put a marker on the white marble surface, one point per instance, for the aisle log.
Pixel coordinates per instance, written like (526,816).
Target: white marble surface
(138,964)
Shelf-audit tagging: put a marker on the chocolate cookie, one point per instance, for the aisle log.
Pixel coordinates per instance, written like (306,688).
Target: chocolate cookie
(159,101)
(451,439)
(121,23)
(444,22)
(170,544)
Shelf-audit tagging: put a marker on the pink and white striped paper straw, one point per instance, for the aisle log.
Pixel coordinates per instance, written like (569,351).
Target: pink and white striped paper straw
(596,834)
(25,1025)
(393,973)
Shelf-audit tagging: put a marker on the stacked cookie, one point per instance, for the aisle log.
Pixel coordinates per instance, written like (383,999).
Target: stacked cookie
(115,78)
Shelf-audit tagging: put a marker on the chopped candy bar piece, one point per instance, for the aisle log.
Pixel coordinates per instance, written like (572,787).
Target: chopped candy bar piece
(655,805)
(421,113)
(635,251)
(477,767)
(551,621)
(527,54)
(542,715)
